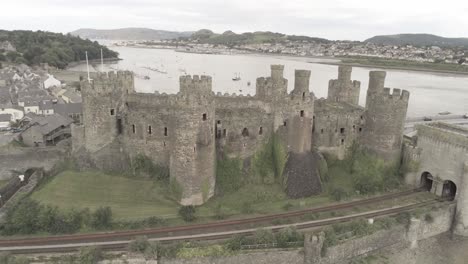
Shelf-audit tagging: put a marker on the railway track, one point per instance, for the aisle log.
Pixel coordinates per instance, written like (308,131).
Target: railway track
(200,228)
(122,244)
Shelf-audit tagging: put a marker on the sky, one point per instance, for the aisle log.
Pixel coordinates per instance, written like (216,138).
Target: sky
(332,19)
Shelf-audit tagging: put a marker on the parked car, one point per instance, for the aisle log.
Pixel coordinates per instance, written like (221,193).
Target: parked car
(465,116)
(427,118)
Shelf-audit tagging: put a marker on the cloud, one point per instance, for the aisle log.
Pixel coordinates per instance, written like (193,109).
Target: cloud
(334,19)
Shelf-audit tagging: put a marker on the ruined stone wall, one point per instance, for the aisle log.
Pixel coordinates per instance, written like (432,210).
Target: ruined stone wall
(384,119)
(343,89)
(336,126)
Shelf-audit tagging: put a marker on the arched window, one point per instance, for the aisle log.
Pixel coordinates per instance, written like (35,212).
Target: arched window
(245,132)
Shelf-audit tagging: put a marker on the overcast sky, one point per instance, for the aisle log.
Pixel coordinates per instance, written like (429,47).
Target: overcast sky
(333,19)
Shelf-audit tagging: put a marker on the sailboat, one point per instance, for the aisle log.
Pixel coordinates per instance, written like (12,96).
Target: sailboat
(236,77)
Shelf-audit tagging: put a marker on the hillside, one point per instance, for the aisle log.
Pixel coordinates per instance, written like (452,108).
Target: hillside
(230,38)
(419,40)
(128,34)
(56,49)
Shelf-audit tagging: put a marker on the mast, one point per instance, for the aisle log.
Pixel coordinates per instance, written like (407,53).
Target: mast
(102,62)
(87,66)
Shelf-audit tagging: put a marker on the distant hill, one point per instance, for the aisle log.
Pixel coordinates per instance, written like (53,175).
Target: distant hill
(129,34)
(230,38)
(419,40)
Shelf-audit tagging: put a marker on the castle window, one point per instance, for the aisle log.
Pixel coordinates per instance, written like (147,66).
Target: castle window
(260,131)
(303,95)
(119,125)
(284,123)
(164,143)
(204,117)
(302,113)
(342,130)
(165,131)
(150,130)
(112,112)
(342,141)
(224,132)
(133,129)
(321,131)
(360,129)
(361,117)
(313,117)
(245,132)
(219,122)
(194,149)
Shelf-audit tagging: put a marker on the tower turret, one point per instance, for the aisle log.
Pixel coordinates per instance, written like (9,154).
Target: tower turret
(103,99)
(343,89)
(384,119)
(192,162)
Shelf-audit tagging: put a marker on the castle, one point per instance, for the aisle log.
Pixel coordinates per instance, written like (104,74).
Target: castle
(184,132)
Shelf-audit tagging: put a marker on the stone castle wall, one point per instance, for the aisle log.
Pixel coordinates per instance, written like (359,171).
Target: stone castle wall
(183,131)
(343,89)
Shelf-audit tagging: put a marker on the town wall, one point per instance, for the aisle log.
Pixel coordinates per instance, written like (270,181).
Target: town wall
(443,153)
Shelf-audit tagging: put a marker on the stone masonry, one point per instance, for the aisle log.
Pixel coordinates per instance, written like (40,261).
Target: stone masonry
(183,131)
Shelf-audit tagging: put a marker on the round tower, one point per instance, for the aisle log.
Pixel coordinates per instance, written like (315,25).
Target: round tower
(344,89)
(385,117)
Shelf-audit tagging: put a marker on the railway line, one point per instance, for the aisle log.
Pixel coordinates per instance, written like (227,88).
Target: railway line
(122,244)
(205,231)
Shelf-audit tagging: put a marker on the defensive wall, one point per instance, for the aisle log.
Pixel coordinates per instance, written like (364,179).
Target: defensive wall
(186,132)
(406,236)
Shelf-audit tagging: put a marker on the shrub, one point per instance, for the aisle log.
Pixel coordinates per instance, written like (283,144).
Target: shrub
(287,235)
(339,194)
(187,213)
(330,240)
(228,175)
(235,242)
(152,250)
(287,206)
(404,218)
(140,244)
(102,218)
(264,236)
(90,255)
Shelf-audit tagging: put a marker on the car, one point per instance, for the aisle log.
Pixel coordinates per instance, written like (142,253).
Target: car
(465,116)
(427,118)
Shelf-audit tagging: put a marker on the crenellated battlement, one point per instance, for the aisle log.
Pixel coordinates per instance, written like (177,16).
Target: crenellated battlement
(109,82)
(395,94)
(189,84)
(344,89)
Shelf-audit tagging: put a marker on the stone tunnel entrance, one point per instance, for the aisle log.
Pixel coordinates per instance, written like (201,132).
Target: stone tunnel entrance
(449,190)
(426,181)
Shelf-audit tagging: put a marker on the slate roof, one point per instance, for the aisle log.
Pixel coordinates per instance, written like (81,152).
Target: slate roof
(66,109)
(46,105)
(47,124)
(5,117)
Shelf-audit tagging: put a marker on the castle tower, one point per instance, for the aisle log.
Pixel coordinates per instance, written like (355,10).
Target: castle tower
(343,89)
(461,223)
(301,112)
(384,119)
(103,100)
(193,160)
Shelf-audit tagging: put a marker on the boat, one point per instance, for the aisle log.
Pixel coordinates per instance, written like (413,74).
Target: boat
(236,77)
(445,113)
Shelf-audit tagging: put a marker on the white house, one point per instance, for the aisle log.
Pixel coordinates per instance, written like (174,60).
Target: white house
(51,82)
(5,121)
(16,114)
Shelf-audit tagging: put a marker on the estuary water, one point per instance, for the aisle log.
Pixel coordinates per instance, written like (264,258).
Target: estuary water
(431,93)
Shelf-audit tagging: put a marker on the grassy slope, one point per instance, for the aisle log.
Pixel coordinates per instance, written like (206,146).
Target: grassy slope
(129,198)
(132,198)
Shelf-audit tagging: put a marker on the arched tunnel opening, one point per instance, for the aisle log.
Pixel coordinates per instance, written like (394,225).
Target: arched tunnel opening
(449,190)
(427,181)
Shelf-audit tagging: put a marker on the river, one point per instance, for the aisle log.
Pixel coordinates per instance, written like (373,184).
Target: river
(431,93)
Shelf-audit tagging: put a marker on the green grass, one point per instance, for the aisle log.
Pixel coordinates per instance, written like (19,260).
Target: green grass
(129,198)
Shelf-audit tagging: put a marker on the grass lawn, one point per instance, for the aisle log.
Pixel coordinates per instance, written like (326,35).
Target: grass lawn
(129,198)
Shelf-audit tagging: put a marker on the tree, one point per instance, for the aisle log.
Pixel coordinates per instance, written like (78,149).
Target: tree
(187,213)
(102,218)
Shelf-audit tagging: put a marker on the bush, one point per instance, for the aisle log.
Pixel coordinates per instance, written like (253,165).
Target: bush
(228,175)
(235,242)
(187,213)
(264,236)
(7,258)
(404,218)
(102,218)
(339,194)
(90,255)
(152,251)
(288,235)
(287,206)
(140,244)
